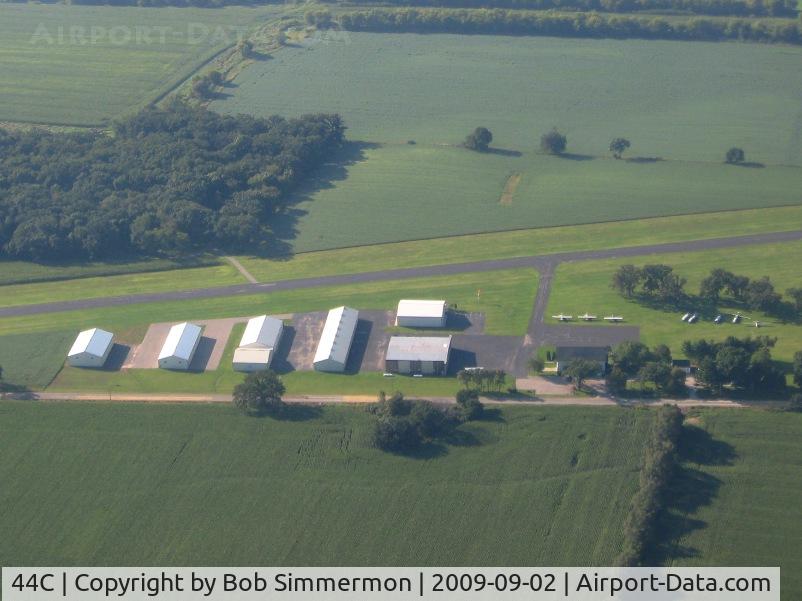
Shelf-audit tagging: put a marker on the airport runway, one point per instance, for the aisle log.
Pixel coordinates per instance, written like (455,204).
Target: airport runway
(543,263)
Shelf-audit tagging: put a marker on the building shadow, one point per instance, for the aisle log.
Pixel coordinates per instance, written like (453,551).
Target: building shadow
(359,346)
(690,489)
(459,359)
(117,356)
(202,354)
(281,359)
(458,321)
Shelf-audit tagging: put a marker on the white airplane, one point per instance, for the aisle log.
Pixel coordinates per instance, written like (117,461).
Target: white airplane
(587,317)
(562,317)
(757,324)
(686,316)
(614,318)
(736,318)
(693,318)
(718,319)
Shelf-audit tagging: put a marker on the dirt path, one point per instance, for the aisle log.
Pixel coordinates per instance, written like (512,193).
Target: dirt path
(244,272)
(509,189)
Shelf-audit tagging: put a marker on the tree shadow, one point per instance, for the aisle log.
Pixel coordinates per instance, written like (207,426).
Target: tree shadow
(644,159)
(428,450)
(690,489)
(284,225)
(749,165)
(571,156)
(295,412)
(505,152)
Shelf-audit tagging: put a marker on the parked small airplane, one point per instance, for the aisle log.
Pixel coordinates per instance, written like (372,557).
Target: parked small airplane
(718,319)
(614,318)
(587,317)
(562,317)
(686,316)
(693,318)
(757,324)
(736,318)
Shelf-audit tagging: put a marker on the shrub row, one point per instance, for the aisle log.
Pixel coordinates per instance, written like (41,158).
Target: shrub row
(658,466)
(588,25)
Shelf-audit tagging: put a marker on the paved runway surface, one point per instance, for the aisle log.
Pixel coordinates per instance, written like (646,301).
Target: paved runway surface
(544,263)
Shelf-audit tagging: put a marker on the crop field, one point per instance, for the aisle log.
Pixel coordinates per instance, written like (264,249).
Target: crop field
(404,192)
(682,105)
(204,485)
(585,286)
(32,361)
(81,65)
(737,500)
(506,300)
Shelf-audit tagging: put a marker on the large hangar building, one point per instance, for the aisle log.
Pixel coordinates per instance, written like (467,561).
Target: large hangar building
(336,339)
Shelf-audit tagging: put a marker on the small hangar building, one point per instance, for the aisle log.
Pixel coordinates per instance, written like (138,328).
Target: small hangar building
(597,354)
(427,355)
(91,348)
(421,314)
(180,346)
(258,344)
(336,339)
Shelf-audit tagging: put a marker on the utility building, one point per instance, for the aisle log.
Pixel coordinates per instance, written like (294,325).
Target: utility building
(421,314)
(91,348)
(258,344)
(335,341)
(427,355)
(596,354)
(180,346)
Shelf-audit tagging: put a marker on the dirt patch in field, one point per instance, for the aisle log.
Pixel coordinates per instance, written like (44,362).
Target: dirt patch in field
(509,189)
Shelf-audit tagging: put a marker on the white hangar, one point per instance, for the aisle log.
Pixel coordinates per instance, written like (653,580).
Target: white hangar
(335,341)
(180,346)
(91,348)
(421,313)
(258,344)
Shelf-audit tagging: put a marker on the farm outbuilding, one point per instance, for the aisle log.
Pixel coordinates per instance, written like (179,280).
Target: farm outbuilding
(258,343)
(91,348)
(427,355)
(597,354)
(180,346)
(421,314)
(335,341)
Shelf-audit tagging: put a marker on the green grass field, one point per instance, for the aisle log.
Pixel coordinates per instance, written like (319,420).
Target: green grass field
(115,285)
(507,298)
(585,286)
(81,65)
(203,485)
(737,499)
(404,192)
(32,361)
(165,274)
(685,103)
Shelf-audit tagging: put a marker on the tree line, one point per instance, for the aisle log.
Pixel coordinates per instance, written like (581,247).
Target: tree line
(167,179)
(741,363)
(635,360)
(659,464)
(404,425)
(588,25)
(748,8)
(660,284)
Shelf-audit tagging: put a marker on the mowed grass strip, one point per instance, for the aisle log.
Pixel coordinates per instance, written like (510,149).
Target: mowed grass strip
(506,300)
(403,192)
(585,286)
(205,485)
(85,65)
(525,242)
(737,495)
(120,285)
